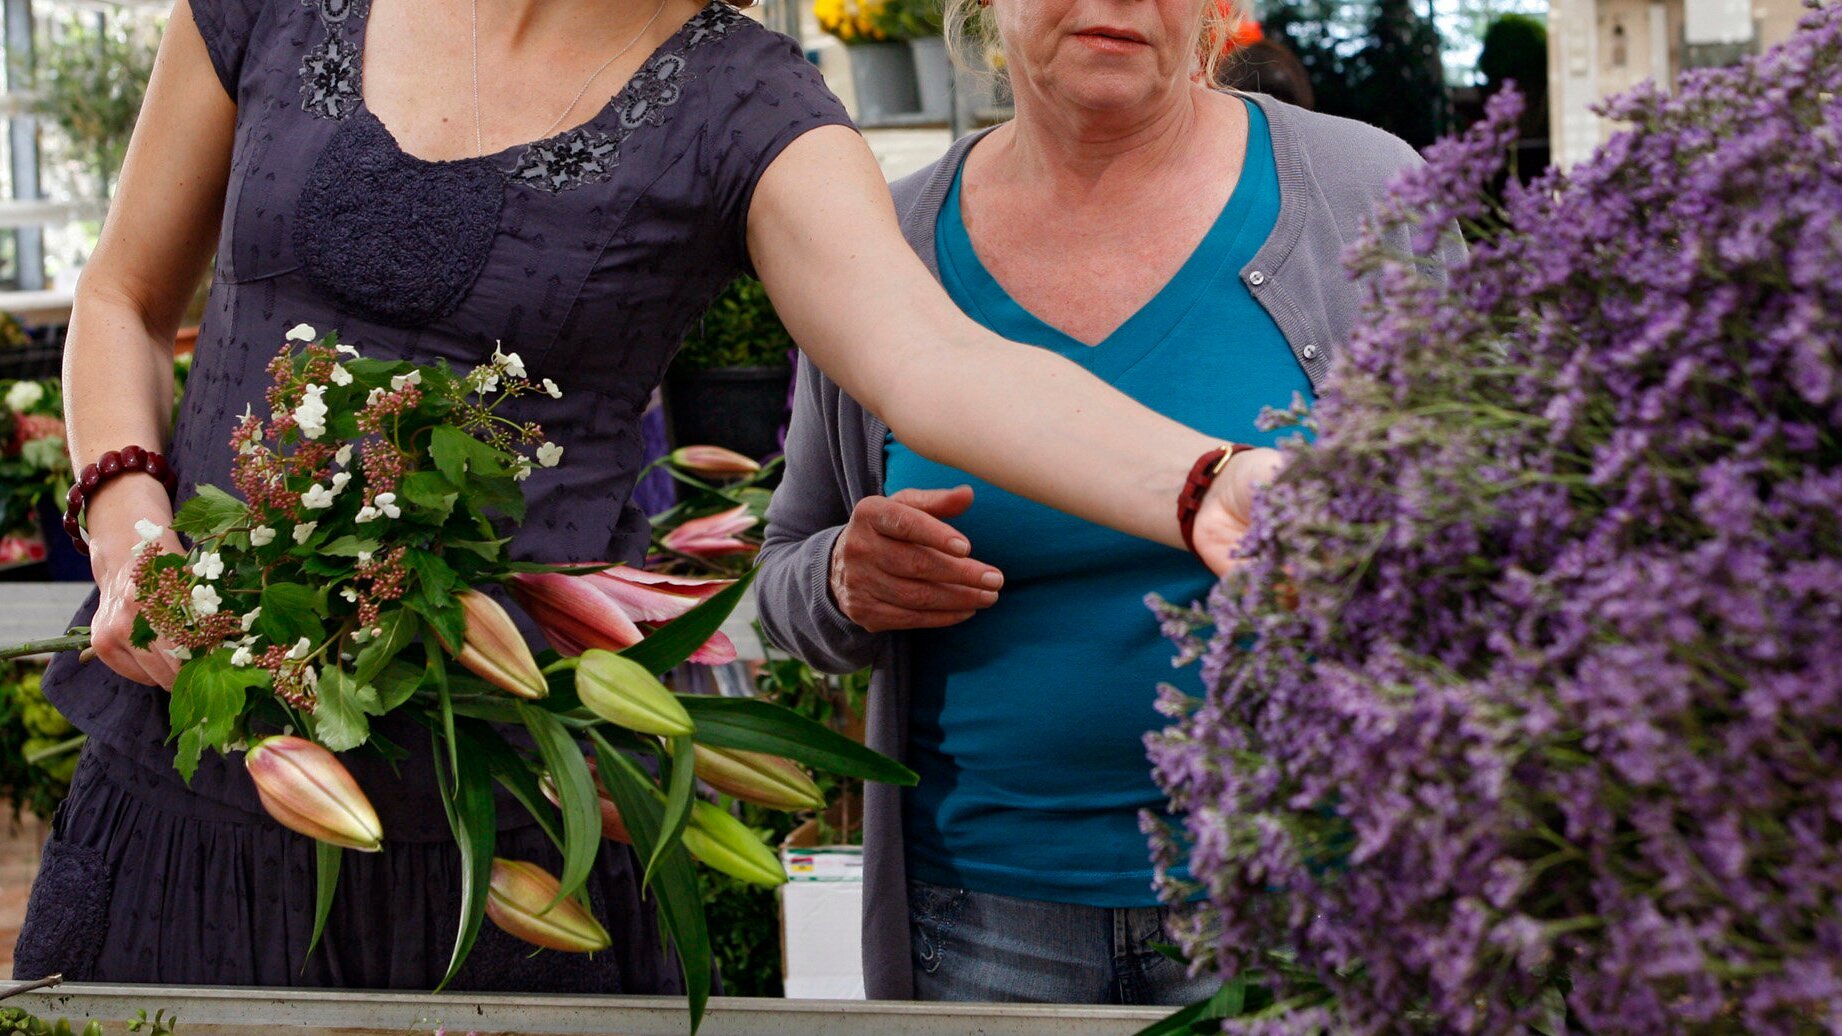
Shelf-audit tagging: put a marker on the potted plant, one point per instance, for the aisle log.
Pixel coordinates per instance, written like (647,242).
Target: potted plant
(920,23)
(882,67)
(728,385)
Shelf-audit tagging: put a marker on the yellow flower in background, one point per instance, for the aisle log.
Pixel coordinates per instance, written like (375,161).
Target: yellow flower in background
(853,21)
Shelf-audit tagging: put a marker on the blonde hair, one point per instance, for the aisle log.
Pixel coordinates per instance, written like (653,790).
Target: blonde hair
(972,37)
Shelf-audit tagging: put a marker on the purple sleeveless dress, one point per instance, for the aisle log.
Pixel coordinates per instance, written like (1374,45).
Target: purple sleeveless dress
(589,254)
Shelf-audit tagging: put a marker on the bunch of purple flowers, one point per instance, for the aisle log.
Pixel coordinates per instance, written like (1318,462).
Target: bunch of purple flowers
(1528,701)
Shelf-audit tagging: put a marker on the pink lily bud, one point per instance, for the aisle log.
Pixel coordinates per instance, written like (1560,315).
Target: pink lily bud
(723,843)
(615,608)
(495,651)
(713,461)
(519,901)
(308,791)
(713,536)
(766,780)
(612,826)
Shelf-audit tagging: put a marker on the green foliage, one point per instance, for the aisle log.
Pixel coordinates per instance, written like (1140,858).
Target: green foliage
(1376,62)
(911,19)
(38,746)
(92,81)
(1516,50)
(15,1020)
(740,329)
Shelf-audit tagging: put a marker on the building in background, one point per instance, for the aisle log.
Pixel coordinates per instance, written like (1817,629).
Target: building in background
(1600,48)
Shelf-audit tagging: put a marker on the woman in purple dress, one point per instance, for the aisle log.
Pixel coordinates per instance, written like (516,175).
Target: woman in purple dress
(574,179)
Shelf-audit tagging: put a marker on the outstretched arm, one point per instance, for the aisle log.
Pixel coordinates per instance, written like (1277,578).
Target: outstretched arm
(822,232)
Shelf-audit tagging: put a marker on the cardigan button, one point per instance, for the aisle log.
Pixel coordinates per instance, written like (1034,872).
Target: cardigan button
(1311,352)
(1256,278)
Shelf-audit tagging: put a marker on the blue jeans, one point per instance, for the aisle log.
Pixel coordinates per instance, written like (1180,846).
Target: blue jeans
(988,948)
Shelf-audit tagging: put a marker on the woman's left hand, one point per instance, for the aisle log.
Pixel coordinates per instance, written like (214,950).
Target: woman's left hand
(1227,510)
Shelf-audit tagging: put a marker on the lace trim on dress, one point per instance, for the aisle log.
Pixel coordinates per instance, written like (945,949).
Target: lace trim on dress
(330,72)
(587,155)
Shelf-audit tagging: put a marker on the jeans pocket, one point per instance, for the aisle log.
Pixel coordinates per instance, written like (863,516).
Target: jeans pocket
(933,912)
(67,916)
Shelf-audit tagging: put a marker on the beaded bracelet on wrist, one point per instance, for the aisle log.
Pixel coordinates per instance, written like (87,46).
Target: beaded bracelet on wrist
(1196,486)
(128,459)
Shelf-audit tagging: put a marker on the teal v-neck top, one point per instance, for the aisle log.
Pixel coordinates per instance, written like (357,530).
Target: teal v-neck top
(1028,720)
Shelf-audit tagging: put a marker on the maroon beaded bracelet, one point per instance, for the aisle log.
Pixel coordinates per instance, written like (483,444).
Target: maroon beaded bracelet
(109,465)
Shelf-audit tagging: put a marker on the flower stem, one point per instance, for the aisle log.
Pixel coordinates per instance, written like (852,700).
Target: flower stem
(73,641)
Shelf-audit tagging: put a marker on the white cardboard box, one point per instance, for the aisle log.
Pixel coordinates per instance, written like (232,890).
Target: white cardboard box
(821,911)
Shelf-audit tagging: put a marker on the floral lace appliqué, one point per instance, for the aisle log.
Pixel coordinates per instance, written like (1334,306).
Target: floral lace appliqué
(330,72)
(573,159)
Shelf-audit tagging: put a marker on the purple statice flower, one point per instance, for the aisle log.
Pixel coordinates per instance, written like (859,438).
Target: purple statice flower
(1525,709)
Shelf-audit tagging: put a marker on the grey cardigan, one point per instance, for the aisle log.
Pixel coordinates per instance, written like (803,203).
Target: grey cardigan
(1331,173)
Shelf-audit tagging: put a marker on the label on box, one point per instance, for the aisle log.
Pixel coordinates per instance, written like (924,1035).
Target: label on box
(824,863)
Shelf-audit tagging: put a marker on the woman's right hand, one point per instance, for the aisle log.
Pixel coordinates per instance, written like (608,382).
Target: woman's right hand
(898,565)
(113,514)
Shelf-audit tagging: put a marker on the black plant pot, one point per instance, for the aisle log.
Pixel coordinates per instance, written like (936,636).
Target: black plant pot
(741,408)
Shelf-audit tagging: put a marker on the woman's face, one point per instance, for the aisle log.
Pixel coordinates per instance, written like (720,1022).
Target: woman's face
(1106,55)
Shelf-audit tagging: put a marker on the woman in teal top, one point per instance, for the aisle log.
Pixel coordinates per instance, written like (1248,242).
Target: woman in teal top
(1184,246)
(1060,822)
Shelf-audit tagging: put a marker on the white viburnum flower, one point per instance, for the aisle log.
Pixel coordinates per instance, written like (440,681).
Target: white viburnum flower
(551,390)
(373,396)
(209,566)
(304,530)
(365,514)
(398,382)
(310,416)
(350,594)
(364,557)
(243,656)
(182,653)
(549,454)
(317,498)
(24,395)
(349,350)
(250,617)
(489,383)
(340,478)
(300,649)
(302,333)
(339,375)
(522,470)
(205,599)
(149,531)
(387,505)
(344,457)
(261,536)
(310,677)
(508,362)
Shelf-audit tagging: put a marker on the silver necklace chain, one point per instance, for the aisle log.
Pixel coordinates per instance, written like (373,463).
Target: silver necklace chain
(479,144)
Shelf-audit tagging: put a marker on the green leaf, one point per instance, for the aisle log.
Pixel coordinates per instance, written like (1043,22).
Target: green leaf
(430,492)
(467,797)
(143,635)
(1204,1015)
(210,513)
(680,894)
(399,626)
(207,700)
(349,546)
(514,774)
(539,568)
(450,447)
(339,716)
(681,784)
(327,859)
(446,622)
(762,726)
(396,684)
(290,611)
(576,788)
(677,640)
(435,580)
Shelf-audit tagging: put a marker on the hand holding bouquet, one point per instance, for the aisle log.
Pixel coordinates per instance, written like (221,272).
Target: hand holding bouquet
(348,578)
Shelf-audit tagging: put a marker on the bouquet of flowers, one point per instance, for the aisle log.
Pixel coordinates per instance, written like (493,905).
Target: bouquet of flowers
(34,465)
(1526,708)
(343,581)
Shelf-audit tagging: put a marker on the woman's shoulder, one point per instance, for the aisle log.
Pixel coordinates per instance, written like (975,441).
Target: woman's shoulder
(1339,151)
